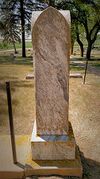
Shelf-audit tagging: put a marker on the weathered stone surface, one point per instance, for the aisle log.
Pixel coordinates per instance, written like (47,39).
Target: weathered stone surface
(36,14)
(55,167)
(53,147)
(51,48)
(51,137)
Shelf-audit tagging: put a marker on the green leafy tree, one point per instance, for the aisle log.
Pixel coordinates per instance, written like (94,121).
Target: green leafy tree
(79,32)
(52,3)
(9,29)
(86,13)
(76,32)
(89,16)
(73,37)
(49,2)
(76,27)
(19,13)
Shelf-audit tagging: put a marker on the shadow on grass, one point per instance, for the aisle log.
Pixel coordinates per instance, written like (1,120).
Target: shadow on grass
(22,84)
(15,84)
(91,168)
(2,78)
(15,100)
(96,65)
(75,58)
(93,66)
(3,101)
(76,68)
(16,60)
(77,64)
(82,59)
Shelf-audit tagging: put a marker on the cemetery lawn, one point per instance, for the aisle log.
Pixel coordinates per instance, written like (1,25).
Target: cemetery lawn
(22,92)
(84,107)
(4,46)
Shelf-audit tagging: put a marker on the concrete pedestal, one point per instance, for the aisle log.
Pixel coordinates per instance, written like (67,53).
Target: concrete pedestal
(55,167)
(53,147)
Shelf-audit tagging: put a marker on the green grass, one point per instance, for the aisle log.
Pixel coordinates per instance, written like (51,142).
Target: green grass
(17,60)
(76,68)
(84,105)
(22,90)
(5,46)
(96,64)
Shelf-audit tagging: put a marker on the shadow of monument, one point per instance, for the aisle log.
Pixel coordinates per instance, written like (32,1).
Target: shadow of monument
(91,168)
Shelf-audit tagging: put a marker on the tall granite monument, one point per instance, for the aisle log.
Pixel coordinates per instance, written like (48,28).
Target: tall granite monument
(52,137)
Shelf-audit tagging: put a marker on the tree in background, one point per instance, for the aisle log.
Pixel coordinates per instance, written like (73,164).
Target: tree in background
(89,17)
(9,28)
(73,37)
(52,3)
(83,13)
(92,24)
(79,32)
(49,2)
(87,14)
(19,14)
(76,33)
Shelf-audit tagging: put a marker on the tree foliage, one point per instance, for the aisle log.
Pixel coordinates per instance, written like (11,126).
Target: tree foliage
(87,14)
(9,27)
(16,16)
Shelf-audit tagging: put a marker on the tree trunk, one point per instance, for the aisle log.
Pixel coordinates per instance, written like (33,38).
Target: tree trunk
(86,66)
(23,28)
(88,55)
(81,48)
(13,42)
(72,46)
(14,47)
(80,44)
(89,48)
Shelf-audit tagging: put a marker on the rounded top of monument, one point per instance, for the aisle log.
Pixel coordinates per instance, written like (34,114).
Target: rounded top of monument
(36,14)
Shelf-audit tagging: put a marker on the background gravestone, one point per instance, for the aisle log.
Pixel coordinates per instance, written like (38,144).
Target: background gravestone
(51,138)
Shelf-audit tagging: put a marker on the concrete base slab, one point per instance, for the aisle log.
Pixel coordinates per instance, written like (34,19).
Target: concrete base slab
(26,166)
(53,147)
(55,167)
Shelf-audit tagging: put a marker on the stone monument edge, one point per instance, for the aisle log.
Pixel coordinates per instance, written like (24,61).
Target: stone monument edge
(35,14)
